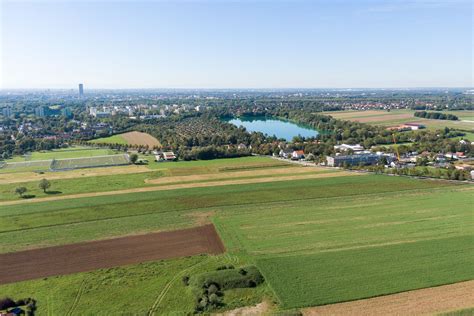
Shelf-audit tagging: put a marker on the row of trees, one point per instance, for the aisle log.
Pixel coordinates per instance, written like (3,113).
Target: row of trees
(436,115)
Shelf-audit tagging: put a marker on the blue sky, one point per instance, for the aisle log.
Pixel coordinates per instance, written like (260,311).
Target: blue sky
(236,44)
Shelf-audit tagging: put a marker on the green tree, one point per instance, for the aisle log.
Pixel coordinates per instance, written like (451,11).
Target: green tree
(133,158)
(44,185)
(20,191)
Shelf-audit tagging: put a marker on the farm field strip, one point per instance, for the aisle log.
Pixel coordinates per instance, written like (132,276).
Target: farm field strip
(186,185)
(60,260)
(26,226)
(240,174)
(396,117)
(428,301)
(347,222)
(362,273)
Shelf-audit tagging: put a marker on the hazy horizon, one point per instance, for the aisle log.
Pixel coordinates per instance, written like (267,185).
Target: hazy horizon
(368,44)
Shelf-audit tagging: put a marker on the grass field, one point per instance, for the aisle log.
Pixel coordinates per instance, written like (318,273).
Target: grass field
(359,273)
(132,289)
(397,117)
(114,139)
(369,235)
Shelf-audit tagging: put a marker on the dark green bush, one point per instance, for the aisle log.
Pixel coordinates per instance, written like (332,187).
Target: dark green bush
(229,278)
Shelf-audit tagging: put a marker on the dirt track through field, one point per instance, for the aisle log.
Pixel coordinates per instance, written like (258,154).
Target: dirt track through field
(88,256)
(139,138)
(418,302)
(188,186)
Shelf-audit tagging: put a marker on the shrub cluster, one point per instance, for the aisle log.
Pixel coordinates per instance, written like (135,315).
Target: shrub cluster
(209,287)
(7,303)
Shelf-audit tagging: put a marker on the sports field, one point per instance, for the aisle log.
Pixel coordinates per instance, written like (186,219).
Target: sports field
(70,152)
(317,236)
(397,117)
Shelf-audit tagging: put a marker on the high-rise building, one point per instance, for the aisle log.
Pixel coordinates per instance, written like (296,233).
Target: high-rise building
(7,112)
(81,89)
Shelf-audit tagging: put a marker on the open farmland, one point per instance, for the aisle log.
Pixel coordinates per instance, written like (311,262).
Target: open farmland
(290,228)
(397,117)
(453,297)
(67,259)
(130,138)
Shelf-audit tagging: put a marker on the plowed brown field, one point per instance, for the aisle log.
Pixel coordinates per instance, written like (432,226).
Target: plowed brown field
(139,138)
(88,256)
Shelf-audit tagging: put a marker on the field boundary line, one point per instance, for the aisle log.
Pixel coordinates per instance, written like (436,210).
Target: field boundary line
(168,285)
(76,298)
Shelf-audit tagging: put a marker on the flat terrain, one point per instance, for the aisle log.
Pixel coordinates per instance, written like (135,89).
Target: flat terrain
(45,262)
(370,235)
(65,153)
(397,117)
(129,138)
(428,301)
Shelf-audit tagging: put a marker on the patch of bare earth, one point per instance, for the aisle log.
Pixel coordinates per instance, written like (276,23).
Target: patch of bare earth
(88,256)
(427,301)
(139,138)
(189,185)
(259,309)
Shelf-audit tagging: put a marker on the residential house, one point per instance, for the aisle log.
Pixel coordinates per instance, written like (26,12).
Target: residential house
(297,155)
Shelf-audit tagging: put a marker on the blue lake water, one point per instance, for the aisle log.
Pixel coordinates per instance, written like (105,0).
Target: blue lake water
(270,126)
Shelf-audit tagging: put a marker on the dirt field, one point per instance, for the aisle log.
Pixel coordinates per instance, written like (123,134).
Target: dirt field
(419,302)
(88,256)
(7,178)
(189,185)
(139,138)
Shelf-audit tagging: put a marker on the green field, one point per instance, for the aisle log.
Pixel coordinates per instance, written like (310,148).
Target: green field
(397,117)
(114,139)
(316,241)
(332,277)
(131,289)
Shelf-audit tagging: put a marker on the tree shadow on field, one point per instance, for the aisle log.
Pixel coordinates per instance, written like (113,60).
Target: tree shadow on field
(53,192)
(28,196)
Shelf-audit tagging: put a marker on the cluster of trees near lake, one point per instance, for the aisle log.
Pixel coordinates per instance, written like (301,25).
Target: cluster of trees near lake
(436,115)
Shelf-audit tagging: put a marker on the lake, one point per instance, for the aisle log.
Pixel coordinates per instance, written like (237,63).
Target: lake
(271,126)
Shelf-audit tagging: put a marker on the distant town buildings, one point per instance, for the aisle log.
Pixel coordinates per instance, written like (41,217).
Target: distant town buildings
(346,147)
